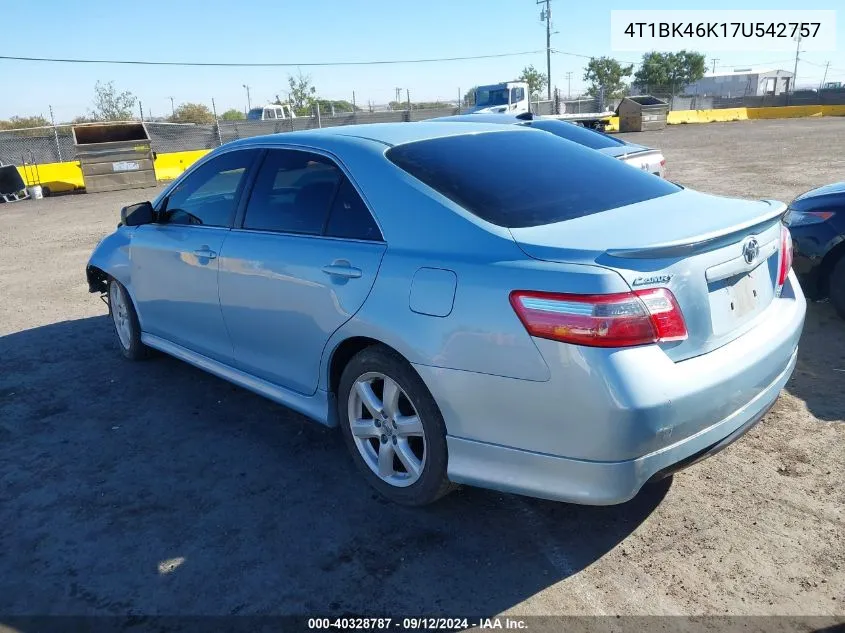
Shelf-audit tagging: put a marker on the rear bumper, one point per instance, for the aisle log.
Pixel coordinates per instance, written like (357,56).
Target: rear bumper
(598,483)
(609,420)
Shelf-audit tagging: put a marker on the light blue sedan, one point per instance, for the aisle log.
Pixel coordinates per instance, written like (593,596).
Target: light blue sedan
(470,303)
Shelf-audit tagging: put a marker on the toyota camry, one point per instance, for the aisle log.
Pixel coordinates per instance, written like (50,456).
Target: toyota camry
(469,303)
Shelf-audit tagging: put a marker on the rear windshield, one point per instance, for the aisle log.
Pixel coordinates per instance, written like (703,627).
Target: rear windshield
(519,178)
(577,134)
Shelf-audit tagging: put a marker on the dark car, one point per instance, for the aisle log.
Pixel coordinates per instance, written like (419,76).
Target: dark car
(816,220)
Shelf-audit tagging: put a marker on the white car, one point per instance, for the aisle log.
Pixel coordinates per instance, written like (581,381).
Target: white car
(639,156)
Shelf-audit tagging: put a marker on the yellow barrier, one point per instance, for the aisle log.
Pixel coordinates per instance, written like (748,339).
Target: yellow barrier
(59,177)
(63,177)
(676,117)
(790,112)
(171,165)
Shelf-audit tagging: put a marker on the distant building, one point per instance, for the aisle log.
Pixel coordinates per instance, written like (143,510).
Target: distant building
(742,82)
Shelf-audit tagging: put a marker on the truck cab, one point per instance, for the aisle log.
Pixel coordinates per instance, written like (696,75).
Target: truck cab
(271,112)
(510,97)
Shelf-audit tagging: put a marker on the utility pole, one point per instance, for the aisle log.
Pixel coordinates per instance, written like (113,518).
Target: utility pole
(248,101)
(795,71)
(546,15)
(569,85)
(56,135)
(141,108)
(715,59)
(172,108)
(821,85)
(398,98)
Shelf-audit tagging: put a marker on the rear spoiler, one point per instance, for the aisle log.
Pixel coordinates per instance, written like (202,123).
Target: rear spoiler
(709,241)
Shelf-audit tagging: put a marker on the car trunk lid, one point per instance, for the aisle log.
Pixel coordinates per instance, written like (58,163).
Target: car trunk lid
(694,244)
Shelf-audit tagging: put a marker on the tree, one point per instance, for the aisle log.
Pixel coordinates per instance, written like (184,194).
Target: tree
(606,73)
(192,113)
(535,79)
(111,105)
(339,105)
(18,122)
(669,72)
(469,97)
(301,94)
(232,115)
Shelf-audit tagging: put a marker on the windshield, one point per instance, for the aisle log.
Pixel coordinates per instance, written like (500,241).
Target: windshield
(518,178)
(255,114)
(491,97)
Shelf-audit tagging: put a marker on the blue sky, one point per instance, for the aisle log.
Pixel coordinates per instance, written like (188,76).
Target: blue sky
(329,30)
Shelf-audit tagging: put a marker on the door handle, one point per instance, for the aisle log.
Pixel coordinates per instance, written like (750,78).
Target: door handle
(205,253)
(342,269)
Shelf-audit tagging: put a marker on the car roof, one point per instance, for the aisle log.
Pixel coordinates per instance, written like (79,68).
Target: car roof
(389,134)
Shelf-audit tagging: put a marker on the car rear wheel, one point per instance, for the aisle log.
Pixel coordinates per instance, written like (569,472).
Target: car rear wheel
(393,427)
(836,288)
(125,321)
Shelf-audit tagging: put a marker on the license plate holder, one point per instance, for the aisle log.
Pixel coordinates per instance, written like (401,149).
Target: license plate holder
(735,300)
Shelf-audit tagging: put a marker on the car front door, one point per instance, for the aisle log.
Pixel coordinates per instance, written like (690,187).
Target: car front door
(299,266)
(175,260)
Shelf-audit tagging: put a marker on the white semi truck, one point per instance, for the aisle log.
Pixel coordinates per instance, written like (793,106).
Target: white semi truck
(512,97)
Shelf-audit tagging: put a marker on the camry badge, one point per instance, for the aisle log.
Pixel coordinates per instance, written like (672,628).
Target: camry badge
(654,279)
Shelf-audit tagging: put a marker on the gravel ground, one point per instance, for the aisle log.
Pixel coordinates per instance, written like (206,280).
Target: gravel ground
(153,488)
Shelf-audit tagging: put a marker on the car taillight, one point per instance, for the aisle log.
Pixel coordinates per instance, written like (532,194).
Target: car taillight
(612,320)
(785,260)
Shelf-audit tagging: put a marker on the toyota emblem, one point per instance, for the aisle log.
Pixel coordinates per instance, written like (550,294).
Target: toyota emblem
(750,250)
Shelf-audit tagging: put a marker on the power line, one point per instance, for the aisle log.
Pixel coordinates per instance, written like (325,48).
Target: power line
(823,65)
(139,62)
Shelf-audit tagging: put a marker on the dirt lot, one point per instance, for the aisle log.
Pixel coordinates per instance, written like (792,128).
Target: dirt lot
(153,488)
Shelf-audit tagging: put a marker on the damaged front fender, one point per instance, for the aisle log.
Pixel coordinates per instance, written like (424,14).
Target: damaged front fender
(110,259)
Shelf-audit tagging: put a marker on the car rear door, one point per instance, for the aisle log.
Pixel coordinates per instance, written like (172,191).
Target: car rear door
(175,260)
(299,265)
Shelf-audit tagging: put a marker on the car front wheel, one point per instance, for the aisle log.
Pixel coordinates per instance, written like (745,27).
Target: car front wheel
(393,427)
(125,321)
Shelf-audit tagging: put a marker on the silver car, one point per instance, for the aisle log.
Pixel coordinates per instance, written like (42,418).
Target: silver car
(469,303)
(638,156)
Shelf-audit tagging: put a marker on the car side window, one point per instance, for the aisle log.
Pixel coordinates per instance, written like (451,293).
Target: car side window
(350,217)
(293,193)
(209,195)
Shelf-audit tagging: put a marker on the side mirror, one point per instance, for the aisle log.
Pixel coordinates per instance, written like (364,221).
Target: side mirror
(137,214)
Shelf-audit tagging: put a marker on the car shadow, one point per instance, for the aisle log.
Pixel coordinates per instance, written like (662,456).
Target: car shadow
(819,377)
(154,488)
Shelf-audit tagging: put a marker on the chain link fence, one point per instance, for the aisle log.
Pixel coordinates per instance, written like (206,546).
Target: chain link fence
(711,102)
(55,144)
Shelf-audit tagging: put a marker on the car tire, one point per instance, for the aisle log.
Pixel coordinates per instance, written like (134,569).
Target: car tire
(836,287)
(125,321)
(401,451)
